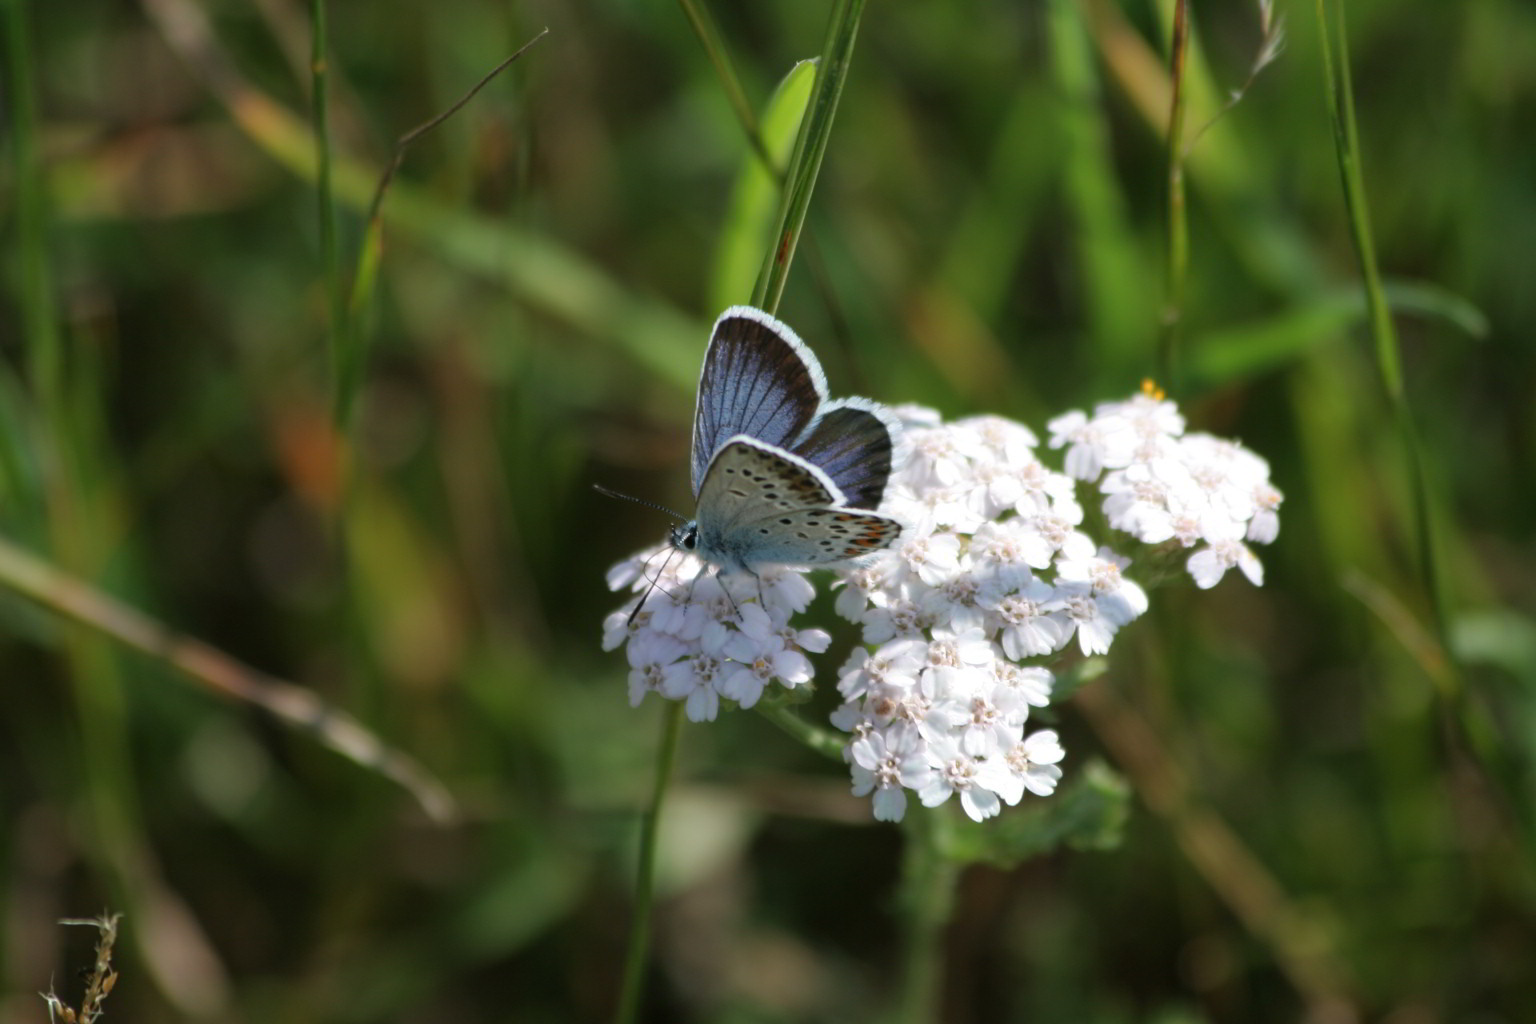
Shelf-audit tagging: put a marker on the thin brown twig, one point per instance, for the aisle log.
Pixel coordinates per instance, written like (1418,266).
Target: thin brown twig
(405,141)
(1301,943)
(73,597)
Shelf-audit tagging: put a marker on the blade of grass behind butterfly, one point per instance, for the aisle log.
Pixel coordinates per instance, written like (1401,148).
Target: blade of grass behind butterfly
(35,289)
(810,147)
(755,194)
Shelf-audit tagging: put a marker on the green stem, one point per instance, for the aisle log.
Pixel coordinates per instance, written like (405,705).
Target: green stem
(823,741)
(628,1009)
(35,291)
(709,37)
(810,148)
(927,893)
(1178,222)
(330,262)
(1341,108)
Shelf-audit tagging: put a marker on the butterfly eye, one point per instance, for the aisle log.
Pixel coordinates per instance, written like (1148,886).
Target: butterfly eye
(685,537)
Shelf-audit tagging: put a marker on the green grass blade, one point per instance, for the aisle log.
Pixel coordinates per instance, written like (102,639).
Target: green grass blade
(1341,108)
(810,147)
(709,37)
(1223,356)
(755,195)
(325,199)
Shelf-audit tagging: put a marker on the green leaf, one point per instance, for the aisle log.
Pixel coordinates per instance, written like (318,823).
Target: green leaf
(755,195)
(1088,813)
(1237,353)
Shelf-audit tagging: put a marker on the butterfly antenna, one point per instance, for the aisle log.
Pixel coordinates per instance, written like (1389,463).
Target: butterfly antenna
(655,581)
(600,489)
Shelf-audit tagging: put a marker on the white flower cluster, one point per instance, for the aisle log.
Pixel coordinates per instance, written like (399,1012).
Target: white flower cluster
(1164,485)
(991,570)
(697,636)
(992,576)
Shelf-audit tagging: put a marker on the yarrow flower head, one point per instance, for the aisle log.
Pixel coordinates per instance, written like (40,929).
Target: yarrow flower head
(1164,486)
(992,580)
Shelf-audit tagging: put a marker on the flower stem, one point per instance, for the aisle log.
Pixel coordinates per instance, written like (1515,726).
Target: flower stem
(330,261)
(628,1009)
(1178,220)
(714,46)
(34,291)
(810,147)
(823,741)
(1346,137)
(927,892)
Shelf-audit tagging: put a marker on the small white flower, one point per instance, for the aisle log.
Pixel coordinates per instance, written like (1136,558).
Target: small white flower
(930,558)
(975,779)
(894,663)
(887,764)
(864,584)
(1086,616)
(897,617)
(956,599)
(1042,536)
(694,681)
(1033,765)
(1003,545)
(814,640)
(934,459)
(994,720)
(1030,614)
(1085,454)
(784,591)
(645,678)
(1041,490)
(1033,683)
(996,439)
(1119,598)
(623,625)
(1264,527)
(1210,564)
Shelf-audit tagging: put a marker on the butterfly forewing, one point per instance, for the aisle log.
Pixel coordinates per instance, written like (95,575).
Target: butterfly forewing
(760,380)
(853,442)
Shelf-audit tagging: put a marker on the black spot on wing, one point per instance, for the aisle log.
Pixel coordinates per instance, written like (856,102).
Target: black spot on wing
(854,447)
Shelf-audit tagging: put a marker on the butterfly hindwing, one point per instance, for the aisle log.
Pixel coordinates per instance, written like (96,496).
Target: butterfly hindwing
(756,508)
(820,536)
(759,379)
(854,442)
(748,478)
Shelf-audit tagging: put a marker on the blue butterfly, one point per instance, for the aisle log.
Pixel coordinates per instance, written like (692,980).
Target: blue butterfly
(781,475)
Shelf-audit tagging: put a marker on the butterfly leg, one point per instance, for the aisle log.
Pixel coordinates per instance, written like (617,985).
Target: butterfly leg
(655,581)
(726,586)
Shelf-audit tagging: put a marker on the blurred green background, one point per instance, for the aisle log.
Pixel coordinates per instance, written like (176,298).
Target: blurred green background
(1331,821)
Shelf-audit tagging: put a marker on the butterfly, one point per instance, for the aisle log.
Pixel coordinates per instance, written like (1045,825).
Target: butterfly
(781,475)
